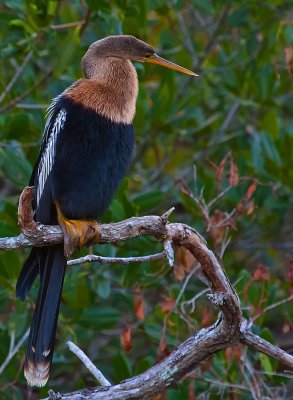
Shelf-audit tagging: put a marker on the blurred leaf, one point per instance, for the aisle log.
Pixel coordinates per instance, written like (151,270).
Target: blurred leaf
(266,363)
(270,123)
(100,318)
(125,338)
(104,288)
(68,52)
(15,166)
(121,366)
(10,264)
(146,201)
(138,304)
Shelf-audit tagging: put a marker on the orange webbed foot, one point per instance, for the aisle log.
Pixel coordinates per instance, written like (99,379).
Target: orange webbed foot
(77,233)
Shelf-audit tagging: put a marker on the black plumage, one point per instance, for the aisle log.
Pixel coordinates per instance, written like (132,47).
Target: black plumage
(92,155)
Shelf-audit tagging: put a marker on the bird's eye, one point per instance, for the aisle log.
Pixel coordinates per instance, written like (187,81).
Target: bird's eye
(148,55)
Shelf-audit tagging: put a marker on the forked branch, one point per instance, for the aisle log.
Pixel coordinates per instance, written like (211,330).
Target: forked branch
(227,331)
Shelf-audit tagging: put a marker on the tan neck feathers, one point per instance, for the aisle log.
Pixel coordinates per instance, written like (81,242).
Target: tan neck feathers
(111,89)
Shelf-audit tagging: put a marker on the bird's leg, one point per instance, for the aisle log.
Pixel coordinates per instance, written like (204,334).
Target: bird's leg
(77,233)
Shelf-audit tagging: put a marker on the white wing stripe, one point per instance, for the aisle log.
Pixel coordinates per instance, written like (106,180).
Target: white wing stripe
(48,156)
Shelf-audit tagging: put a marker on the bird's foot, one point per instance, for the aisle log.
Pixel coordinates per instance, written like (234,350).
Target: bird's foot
(77,233)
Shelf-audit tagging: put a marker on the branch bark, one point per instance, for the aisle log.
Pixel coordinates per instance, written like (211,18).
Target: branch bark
(228,330)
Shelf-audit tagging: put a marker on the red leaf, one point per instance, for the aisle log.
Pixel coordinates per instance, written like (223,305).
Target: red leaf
(246,287)
(163,344)
(245,205)
(219,173)
(251,189)
(233,352)
(206,365)
(233,173)
(261,273)
(289,58)
(290,269)
(191,390)
(206,317)
(183,187)
(138,304)
(250,208)
(125,338)
(184,263)
(217,232)
(168,304)
(163,350)
(286,327)
(240,207)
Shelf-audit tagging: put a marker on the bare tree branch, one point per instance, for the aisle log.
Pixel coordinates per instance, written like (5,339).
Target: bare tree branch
(116,260)
(89,365)
(267,348)
(13,349)
(227,331)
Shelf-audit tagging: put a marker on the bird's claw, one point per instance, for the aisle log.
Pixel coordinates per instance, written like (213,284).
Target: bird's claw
(77,233)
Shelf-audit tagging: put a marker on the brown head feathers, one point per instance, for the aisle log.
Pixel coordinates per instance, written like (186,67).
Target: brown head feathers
(122,46)
(110,86)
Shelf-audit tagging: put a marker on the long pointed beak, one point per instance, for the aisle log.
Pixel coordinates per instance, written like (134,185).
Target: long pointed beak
(155,59)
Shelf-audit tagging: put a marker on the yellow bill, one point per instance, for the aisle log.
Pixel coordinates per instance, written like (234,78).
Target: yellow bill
(155,59)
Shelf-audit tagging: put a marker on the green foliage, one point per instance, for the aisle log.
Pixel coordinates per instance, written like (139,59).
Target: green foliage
(240,107)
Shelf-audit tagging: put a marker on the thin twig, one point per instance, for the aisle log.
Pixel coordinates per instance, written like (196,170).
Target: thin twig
(32,106)
(223,128)
(225,243)
(251,382)
(219,196)
(169,252)
(116,260)
(86,21)
(271,306)
(193,300)
(185,283)
(214,36)
(12,341)
(272,373)
(187,39)
(88,364)
(25,94)
(16,75)
(221,383)
(68,25)
(166,215)
(225,220)
(13,351)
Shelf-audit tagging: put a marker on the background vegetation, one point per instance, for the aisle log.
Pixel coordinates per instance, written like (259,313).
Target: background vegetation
(219,148)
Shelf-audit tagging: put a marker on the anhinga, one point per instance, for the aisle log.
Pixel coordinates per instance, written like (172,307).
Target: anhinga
(86,151)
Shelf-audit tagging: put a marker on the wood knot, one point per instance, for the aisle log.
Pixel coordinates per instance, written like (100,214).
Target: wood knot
(26,222)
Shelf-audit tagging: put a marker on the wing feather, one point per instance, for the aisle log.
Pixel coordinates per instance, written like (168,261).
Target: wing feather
(55,124)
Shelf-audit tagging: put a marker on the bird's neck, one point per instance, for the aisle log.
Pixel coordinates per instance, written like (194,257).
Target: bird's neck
(110,90)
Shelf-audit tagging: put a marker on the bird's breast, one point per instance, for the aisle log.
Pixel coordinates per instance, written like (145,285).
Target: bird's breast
(93,155)
(114,99)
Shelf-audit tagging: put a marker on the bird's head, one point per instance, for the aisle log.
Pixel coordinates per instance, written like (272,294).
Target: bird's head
(129,48)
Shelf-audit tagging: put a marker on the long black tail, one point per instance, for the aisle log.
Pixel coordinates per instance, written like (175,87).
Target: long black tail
(50,263)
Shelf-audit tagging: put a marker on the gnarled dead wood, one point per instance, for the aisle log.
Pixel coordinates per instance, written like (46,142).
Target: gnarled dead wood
(228,330)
